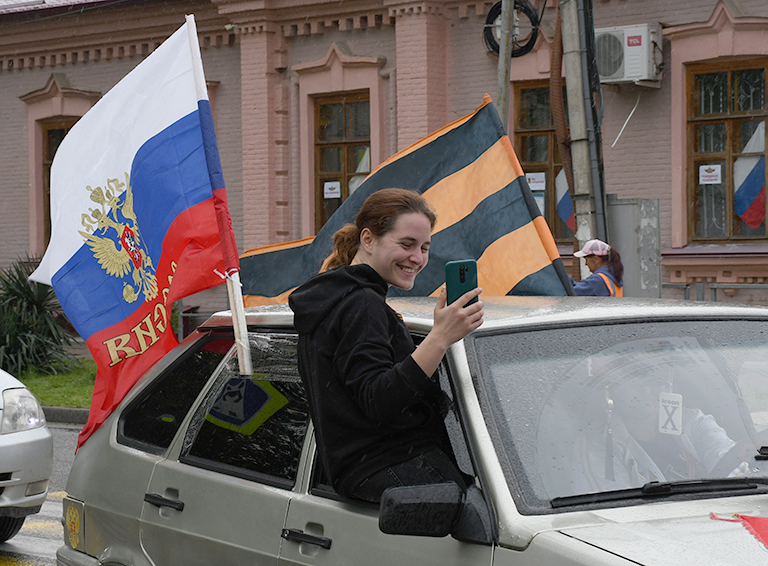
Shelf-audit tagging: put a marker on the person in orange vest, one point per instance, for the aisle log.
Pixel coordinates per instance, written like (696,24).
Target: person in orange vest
(607,271)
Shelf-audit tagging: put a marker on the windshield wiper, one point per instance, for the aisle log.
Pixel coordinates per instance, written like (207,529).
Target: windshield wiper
(661,489)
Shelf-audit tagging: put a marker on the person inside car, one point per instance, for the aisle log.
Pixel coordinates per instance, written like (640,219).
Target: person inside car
(650,442)
(641,411)
(372,395)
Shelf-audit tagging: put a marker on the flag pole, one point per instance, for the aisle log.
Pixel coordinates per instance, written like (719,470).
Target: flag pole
(235,292)
(234,287)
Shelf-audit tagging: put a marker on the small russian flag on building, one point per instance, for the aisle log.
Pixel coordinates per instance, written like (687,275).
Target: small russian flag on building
(749,181)
(564,203)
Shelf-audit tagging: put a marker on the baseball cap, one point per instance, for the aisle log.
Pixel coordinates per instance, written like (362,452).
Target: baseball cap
(593,247)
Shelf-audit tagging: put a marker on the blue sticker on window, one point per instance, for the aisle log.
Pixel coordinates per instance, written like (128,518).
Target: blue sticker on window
(245,404)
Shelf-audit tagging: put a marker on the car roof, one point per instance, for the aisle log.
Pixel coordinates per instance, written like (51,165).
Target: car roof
(417,312)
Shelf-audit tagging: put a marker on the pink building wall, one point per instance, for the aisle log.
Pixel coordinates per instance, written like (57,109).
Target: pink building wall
(424,64)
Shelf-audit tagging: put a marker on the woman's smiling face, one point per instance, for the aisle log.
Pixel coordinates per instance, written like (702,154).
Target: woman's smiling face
(401,253)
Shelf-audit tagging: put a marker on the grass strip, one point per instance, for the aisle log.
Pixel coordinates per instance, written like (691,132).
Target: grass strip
(70,388)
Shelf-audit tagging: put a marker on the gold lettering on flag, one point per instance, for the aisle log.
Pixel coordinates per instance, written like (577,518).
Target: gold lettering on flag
(143,335)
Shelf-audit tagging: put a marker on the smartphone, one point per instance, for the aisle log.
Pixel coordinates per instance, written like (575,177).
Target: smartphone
(460,277)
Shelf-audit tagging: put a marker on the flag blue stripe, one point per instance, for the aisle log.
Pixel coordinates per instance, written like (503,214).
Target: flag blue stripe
(210,146)
(750,188)
(168,176)
(565,207)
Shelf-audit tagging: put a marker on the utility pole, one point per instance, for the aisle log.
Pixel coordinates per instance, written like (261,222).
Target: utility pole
(575,81)
(505,60)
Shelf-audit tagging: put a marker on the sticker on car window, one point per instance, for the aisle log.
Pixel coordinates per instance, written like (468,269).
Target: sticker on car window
(245,404)
(670,413)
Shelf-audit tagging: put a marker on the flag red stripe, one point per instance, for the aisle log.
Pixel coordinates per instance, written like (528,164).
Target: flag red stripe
(125,351)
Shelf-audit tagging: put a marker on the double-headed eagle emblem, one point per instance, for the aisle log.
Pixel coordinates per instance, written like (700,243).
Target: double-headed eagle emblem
(112,233)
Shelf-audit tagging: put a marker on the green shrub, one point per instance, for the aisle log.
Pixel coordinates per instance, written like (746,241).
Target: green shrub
(32,325)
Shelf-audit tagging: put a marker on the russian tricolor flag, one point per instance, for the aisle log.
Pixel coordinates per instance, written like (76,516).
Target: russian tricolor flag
(749,180)
(139,216)
(564,203)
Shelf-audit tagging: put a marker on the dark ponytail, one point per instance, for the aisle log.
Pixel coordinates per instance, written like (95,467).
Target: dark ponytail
(345,243)
(614,261)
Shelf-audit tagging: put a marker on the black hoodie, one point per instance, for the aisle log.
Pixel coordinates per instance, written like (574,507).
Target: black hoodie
(371,404)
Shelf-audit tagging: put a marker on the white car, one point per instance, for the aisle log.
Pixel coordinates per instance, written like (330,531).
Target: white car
(593,431)
(26,455)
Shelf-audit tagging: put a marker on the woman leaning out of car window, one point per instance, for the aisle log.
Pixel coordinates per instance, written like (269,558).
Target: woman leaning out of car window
(373,397)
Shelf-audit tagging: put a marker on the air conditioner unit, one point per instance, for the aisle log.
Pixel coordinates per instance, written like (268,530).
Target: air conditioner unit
(628,53)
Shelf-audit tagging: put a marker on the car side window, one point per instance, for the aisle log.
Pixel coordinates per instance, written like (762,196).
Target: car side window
(254,426)
(152,420)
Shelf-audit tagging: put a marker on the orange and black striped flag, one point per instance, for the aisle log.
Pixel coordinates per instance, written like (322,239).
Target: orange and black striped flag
(469,174)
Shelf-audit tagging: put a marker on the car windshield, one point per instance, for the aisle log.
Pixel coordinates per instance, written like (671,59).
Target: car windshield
(600,408)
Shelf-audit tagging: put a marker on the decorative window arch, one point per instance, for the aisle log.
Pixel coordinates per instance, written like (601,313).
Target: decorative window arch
(50,110)
(339,71)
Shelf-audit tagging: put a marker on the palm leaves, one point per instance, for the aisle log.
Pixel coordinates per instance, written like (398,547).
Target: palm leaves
(32,325)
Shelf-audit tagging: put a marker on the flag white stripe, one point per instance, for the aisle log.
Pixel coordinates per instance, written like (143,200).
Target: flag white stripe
(156,94)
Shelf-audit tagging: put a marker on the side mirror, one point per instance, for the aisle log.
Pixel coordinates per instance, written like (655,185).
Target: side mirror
(436,510)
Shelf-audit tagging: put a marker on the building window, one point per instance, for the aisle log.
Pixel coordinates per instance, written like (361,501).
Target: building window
(53,135)
(726,151)
(342,150)
(51,112)
(537,149)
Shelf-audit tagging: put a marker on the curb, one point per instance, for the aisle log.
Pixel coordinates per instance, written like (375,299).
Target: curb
(65,415)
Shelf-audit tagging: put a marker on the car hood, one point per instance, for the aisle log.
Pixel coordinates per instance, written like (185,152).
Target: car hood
(700,540)
(7,381)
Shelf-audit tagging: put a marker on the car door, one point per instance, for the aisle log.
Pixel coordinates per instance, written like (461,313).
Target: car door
(222,495)
(323,530)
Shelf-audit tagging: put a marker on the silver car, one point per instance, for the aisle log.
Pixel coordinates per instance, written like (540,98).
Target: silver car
(596,431)
(26,455)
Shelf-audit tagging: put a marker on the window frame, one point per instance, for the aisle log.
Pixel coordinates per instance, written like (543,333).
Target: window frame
(554,163)
(347,145)
(729,156)
(46,157)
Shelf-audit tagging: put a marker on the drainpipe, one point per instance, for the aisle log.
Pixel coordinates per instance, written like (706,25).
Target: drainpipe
(583,200)
(586,38)
(505,61)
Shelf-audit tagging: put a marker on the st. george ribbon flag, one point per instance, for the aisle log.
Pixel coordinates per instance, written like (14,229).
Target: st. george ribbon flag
(469,174)
(139,216)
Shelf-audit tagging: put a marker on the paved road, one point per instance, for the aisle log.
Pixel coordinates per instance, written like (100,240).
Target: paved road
(42,534)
